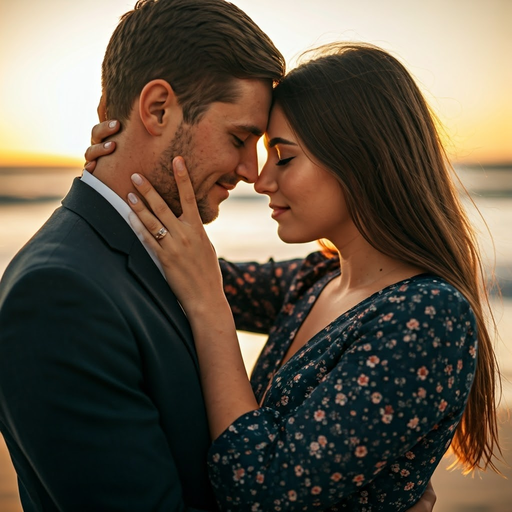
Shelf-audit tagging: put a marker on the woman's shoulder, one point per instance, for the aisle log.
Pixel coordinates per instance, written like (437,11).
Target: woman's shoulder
(425,295)
(426,284)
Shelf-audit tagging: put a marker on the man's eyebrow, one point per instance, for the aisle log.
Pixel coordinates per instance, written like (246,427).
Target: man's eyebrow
(279,140)
(249,128)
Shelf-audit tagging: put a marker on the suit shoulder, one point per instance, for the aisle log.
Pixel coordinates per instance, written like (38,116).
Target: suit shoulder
(40,282)
(65,240)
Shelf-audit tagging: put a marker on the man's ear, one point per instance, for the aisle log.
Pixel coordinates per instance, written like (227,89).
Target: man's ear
(102,108)
(158,106)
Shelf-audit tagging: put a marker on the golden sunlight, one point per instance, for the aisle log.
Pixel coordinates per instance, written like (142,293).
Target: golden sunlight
(51,82)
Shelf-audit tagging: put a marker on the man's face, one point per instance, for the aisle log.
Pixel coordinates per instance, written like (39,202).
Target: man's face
(219,150)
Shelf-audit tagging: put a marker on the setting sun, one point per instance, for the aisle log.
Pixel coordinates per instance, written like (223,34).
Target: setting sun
(51,55)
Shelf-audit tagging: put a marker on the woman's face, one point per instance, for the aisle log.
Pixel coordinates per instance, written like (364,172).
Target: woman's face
(306,200)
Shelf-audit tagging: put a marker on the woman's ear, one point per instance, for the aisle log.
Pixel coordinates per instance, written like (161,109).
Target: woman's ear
(158,107)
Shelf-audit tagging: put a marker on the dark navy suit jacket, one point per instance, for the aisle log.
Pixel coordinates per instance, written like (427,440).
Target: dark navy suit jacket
(100,399)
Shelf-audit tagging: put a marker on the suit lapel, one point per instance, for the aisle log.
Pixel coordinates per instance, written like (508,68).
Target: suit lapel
(106,221)
(146,272)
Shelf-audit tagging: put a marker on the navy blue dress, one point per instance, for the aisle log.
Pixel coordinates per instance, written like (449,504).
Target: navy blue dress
(358,418)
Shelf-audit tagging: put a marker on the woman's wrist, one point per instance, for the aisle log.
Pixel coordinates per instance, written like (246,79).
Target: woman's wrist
(210,311)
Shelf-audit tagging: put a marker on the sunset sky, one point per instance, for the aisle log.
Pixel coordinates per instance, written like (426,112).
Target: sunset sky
(460,51)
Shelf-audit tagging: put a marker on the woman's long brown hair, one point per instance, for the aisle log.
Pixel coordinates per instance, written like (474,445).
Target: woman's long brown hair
(359,113)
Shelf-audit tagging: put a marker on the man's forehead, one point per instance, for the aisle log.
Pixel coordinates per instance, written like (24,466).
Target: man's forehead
(253,106)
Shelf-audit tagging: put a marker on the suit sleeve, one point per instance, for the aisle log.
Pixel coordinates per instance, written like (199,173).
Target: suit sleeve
(73,400)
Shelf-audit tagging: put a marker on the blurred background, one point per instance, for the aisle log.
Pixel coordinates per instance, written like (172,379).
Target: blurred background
(460,52)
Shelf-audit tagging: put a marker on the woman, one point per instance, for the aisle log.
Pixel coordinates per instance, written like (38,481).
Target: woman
(378,355)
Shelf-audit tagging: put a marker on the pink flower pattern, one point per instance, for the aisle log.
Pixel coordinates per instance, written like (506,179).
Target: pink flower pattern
(359,418)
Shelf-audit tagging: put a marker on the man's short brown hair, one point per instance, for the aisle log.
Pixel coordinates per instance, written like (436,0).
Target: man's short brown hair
(197,46)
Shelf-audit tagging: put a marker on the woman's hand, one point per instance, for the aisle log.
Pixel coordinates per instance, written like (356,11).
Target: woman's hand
(181,244)
(192,271)
(99,147)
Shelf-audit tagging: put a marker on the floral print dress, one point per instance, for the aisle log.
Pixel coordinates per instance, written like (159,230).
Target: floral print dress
(359,417)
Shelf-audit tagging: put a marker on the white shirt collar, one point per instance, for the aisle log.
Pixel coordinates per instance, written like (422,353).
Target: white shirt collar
(121,207)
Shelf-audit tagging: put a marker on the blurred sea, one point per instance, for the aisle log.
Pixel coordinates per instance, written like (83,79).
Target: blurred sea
(245,231)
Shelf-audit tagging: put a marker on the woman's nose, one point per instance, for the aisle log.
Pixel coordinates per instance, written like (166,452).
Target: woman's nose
(265,183)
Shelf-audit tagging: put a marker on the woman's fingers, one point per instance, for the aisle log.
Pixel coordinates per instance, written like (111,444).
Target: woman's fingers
(186,191)
(103,130)
(98,149)
(154,225)
(171,238)
(159,207)
(160,214)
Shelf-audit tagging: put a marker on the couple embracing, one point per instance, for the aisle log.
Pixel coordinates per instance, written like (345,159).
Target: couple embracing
(122,386)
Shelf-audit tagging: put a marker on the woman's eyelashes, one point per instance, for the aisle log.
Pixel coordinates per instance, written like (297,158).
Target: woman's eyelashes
(284,161)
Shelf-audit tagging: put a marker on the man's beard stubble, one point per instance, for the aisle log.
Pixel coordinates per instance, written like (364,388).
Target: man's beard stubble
(162,177)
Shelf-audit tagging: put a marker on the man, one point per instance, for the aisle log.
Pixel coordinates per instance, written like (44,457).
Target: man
(100,401)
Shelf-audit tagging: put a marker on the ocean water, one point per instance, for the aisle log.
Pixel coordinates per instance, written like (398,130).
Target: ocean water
(245,231)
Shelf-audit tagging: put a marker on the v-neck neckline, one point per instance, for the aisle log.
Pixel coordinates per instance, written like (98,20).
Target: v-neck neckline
(320,285)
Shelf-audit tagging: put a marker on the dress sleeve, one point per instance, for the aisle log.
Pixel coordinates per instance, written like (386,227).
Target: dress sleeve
(256,291)
(404,370)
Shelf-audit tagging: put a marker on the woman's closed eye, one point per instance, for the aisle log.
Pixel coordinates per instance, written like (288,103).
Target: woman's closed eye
(284,161)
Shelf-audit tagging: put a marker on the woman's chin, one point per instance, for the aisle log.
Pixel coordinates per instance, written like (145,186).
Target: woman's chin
(289,237)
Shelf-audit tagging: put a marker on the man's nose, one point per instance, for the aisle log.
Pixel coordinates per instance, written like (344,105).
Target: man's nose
(248,167)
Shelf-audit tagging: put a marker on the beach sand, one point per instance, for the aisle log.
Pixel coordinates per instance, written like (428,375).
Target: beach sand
(486,492)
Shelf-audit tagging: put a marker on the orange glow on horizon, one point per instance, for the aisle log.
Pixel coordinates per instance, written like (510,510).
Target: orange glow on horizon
(40,160)
(20,159)
(51,84)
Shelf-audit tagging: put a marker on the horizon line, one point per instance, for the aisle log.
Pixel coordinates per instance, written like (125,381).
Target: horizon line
(76,163)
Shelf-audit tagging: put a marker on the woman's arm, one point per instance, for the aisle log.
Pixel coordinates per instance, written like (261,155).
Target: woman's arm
(192,270)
